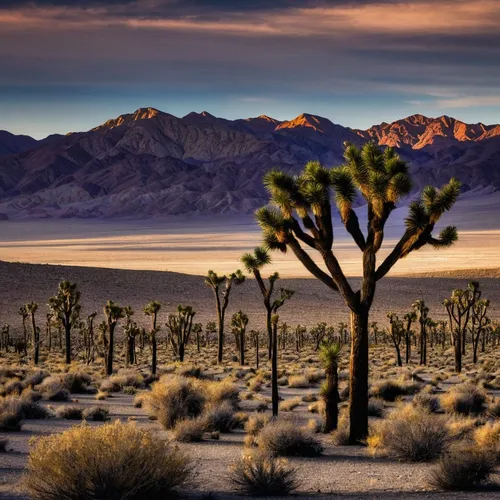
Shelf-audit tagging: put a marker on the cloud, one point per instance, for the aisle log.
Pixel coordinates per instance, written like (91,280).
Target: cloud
(469,101)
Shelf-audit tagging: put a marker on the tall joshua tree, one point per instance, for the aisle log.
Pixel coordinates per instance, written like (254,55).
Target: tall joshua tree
(152,309)
(396,333)
(215,282)
(31,308)
(302,215)
(24,315)
(409,318)
(422,312)
(66,306)
(239,322)
(113,313)
(253,264)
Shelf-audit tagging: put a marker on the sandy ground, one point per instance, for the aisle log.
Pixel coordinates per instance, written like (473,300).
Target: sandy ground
(192,245)
(313,302)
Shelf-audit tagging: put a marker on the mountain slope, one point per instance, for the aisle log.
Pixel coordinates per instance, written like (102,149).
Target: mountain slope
(11,144)
(150,162)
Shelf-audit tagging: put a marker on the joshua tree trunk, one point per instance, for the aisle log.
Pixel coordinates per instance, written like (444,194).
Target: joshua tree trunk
(257,351)
(358,380)
(36,340)
(109,355)
(153,356)
(67,333)
(331,398)
(242,347)
(408,346)
(274,369)
(220,336)
(269,331)
(458,353)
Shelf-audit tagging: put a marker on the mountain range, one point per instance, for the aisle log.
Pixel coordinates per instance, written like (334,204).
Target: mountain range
(150,163)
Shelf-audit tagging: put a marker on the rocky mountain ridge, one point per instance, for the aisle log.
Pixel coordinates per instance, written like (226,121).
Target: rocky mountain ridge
(149,162)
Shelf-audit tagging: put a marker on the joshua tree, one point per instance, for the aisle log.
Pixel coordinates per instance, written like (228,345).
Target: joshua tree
(255,334)
(459,308)
(239,322)
(210,331)
(131,330)
(409,318)
(329,355)
(215,282)
(66,305)
(197,329)
(24,315)
(300,331)
(375,331)
(318,334)
(180,326)
(31,309)
(113,313)
(5,338)
(396,333)
(382,178)
(88,338)
(152,310)
(479,324)
(422,311)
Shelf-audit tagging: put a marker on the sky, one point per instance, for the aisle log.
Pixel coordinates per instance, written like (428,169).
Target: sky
(69,65)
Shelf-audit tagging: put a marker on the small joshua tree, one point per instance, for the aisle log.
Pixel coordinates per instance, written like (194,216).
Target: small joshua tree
(215,282)
(329,355)
(479,323)
(239,322)
(180,326)
(396,333)
(5,337)
(131,331)
(422,312)
(459,308)
(302,215)
(66,306)
(409,318)
(197,329)
(88,338)
(152,309)
(24,315)
(210,332)
(31,308)
(318,334)
(113,313)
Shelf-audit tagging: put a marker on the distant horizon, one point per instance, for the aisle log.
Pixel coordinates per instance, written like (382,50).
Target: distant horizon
(41,137)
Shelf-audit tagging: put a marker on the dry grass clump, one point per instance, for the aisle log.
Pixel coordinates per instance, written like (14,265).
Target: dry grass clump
(290,404)
(462,469)
(35,377)
(101,395)
(258,474)
(285,438)
(54,389)
(78,383)
(112,461)
(494,409)
(255,384)
(175,398)
(298,382)
(189,430)
(219,417)
(462,427)
(390,390)
(11,414)
(96,414)
(340,437)
(32,410)
(426,401)
(376,407)
(70,412)
(464,399)
(487,437)
(139,400)
(224,390)
(410,434)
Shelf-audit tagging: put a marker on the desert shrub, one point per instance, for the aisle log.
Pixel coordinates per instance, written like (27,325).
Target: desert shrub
(411,435)
(262,406)
(190,371)
(487,437)
(290,404)
(13,387)
(426,401)
(376,408)
(70,412)
(462,427)
(53,389)
(340,437)
(240,419)
(314,425)
(3,444)
(255,384)
(139,401)
(96,414)
(111,461)
(390,390)
(109,385)
(220,417)
(30,395)
(129,390)
(34,411)
(466,399)
(298,382)
(282,381)
(494,409)
(462,469)
(189,430)
(11,414)
(310,398)
(78,382)
(286,438)
(175,398)
(128,377)
(224,390)
(36,377)
(101,396)
(255,423)
(261,475)
(314,376)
